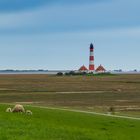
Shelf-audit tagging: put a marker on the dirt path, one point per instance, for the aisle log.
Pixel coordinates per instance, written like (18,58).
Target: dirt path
(88,112)
(81,92)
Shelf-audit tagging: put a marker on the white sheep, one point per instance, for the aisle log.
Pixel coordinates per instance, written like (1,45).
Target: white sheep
(18,108)
(29,112)
(9,110)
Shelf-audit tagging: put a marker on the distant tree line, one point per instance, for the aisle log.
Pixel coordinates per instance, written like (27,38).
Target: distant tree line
(73,73)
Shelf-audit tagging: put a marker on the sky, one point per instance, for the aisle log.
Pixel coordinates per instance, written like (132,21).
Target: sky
(56,34)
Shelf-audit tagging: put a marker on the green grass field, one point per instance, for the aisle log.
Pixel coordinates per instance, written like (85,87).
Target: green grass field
(47,124)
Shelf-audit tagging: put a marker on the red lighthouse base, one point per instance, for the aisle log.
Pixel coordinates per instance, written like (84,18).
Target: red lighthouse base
(91,68)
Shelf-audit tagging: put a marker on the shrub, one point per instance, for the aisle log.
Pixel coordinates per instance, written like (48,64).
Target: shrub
(112,110)
(59,74)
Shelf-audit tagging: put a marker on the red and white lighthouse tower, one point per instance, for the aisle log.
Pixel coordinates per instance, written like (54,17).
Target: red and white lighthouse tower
(91,59)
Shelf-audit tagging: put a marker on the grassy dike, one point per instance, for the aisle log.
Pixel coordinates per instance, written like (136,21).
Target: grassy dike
(47,124)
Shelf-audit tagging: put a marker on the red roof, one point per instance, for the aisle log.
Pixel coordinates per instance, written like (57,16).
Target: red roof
(83,68)
(100,68)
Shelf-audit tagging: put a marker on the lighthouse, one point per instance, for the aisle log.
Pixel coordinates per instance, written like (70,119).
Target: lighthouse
(91,59)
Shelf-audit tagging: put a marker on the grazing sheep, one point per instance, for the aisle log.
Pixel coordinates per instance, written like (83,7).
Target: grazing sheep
(8,110)
(29,112)
(18,108)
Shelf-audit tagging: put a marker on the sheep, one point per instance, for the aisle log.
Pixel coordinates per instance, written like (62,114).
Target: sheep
(9,110)
(29,112)
(18,108)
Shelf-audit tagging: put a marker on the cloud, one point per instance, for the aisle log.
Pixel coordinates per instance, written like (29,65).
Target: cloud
(59,18)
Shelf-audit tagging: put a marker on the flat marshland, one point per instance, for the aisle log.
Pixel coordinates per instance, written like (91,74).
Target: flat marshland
(94,93)
(89,93)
